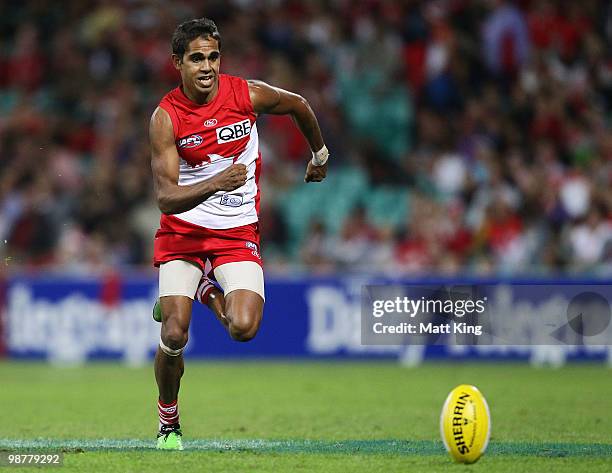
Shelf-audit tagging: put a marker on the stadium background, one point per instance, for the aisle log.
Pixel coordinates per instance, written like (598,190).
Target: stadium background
(469,139)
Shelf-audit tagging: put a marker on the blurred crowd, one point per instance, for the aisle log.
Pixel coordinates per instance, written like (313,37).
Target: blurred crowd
(493,116)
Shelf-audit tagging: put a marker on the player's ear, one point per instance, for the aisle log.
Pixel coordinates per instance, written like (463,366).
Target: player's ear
(177,61)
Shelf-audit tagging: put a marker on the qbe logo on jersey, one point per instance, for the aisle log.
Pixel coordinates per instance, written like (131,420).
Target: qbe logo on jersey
(233,132)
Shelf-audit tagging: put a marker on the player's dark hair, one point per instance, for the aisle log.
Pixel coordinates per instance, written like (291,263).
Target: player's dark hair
(192,29)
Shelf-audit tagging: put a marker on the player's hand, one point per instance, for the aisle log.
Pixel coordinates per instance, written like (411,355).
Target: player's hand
(231,178)
(315,173)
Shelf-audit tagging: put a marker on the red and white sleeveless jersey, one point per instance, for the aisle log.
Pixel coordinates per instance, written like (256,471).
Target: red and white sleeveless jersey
(209,138)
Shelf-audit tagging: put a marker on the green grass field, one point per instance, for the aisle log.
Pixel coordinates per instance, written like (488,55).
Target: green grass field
(329,417)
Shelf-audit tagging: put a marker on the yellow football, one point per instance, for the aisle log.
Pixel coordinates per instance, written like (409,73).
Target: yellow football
(465,424)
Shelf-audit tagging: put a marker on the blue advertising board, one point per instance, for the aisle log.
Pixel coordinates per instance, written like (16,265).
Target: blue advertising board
(73,319)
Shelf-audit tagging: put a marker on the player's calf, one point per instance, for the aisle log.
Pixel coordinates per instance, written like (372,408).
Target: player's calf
(210,295)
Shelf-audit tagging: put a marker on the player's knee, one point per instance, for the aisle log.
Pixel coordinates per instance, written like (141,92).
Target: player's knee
(174,336)
(243,336)
(243,327)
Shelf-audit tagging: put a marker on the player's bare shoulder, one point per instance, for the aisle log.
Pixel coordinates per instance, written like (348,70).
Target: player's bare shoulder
(267,98)
(160,121)
(161,132)
(264,97)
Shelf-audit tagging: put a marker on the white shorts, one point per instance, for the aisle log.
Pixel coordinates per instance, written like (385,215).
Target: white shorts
(241,275)
(181,278)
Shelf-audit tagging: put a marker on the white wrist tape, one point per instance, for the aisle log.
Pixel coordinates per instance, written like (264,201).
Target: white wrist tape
(319,158)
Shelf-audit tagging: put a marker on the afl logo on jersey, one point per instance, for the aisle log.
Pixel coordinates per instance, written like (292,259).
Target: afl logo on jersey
(210,122)
(231,200)
(233,132)
(192,141)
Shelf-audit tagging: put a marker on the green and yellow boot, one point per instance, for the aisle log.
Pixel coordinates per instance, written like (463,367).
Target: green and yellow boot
(170,437)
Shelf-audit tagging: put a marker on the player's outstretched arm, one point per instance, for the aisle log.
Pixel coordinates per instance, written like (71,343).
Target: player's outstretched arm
(172,198)
(268,99)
